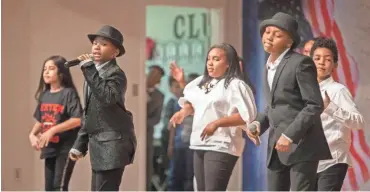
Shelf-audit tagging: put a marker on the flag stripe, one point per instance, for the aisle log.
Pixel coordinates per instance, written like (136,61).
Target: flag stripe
(352,179)
(356,154)
(345,185)
(313,19)
(363,142)
(328,22)
(344,60)
(320,22)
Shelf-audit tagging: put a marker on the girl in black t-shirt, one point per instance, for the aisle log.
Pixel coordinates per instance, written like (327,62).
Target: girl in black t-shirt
(58,119)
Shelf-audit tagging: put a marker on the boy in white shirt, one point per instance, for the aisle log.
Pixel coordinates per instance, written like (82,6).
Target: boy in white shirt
(340,115)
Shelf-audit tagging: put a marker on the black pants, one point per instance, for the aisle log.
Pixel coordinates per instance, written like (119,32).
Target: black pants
(58,171)
(109,180)
(297,177)
(332,178)
(149,158)
(182,170)
(213,170)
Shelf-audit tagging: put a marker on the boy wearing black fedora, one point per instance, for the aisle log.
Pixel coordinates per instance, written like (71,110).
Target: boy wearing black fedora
(296,138)
(107,126)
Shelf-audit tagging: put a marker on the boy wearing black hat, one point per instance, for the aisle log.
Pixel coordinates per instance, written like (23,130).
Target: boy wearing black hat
(107,125)
(296,139)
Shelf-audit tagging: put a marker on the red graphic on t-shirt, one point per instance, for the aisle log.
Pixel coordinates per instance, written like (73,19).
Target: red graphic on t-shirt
(49,117)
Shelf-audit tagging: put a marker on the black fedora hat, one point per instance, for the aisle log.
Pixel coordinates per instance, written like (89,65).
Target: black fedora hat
(111,34)
(285,22)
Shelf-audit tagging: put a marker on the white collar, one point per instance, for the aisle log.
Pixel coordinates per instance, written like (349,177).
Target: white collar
(273,65)
(100,66)
(324,84)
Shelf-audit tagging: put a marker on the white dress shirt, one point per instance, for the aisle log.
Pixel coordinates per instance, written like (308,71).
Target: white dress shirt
(271,70)
(217,103)
(100,66)
(272,66)
(340,116)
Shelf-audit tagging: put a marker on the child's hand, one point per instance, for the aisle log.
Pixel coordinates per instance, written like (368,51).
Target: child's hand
(254,136)
(177,118)
(74,157)
(84,57)
(177,73)
(208,130)
(34,140)
(46,137)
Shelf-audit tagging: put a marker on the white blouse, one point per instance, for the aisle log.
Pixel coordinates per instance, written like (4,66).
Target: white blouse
(219,102)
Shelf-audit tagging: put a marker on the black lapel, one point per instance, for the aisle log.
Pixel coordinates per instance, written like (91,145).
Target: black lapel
(88,95)
(278,72)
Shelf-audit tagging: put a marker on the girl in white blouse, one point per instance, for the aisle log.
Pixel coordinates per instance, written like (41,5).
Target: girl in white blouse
(220,102)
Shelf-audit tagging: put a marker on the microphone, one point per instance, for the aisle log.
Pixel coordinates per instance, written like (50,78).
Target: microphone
(74,62)
(253,129)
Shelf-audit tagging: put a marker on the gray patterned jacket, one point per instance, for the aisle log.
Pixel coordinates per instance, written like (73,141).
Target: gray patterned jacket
(107,125)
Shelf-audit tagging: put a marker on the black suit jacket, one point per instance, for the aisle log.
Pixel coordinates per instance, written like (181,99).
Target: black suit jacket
(107,125)
(294,105)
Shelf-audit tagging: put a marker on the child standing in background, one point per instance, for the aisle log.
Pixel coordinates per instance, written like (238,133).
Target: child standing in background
(182,173)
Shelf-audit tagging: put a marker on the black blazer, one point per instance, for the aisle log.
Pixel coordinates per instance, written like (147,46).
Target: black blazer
(107,125)
(294,105)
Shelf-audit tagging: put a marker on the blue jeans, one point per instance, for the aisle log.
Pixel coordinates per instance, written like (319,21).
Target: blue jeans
(181,170)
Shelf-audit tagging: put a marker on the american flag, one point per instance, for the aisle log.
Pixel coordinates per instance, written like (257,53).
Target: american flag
(320,15)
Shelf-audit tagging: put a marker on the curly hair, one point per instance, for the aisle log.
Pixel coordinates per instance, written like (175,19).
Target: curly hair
(324,42)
